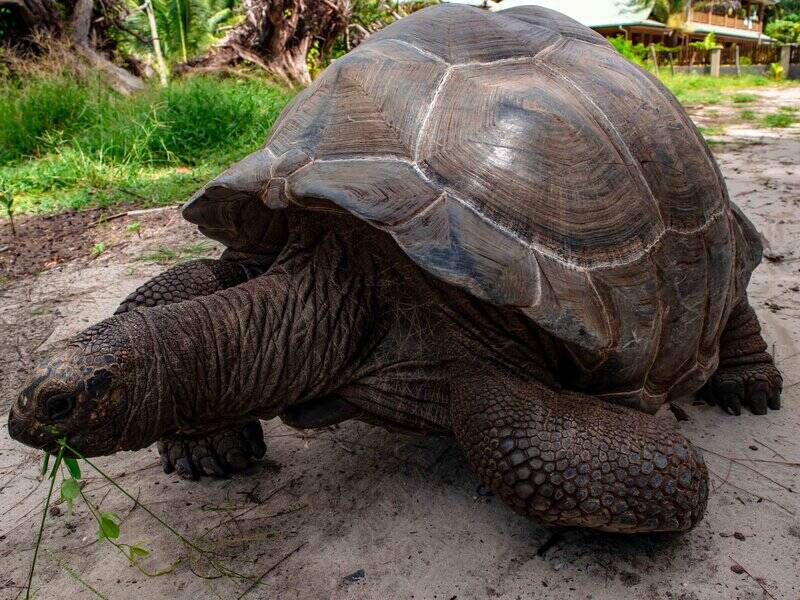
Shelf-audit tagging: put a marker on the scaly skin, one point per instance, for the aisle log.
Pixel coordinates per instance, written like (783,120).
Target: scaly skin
(218,452)
(746,375)
(573,460)
(186,281)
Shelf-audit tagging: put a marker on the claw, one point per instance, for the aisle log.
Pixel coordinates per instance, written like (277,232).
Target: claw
(254,436)
(163,455)
(215,454)
(212,467)
(236,460)
(183,466)
(757,391)
(774,401)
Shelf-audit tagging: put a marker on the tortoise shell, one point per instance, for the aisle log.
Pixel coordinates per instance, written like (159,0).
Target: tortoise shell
(517,155)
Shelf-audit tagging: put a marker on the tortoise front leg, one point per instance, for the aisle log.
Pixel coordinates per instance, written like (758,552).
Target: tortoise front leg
(185,281)
(215,451)
(573,460)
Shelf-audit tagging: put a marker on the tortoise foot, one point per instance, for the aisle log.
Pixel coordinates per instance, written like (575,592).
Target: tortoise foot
(756,386)
(217,454)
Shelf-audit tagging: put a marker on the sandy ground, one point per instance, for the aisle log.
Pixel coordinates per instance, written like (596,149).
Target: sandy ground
(356,512)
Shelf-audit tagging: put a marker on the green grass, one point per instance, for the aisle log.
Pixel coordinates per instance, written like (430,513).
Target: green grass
(702,89)
(744,98)
(710,131)
(780,119)
(165,255)
(74,144)
(748,115)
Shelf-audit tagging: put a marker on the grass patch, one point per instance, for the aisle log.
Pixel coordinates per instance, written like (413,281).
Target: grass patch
(748,115)
(166,256)
(789,109)
(744,98)
(702,89)
(779,119)
(712,131)
(72,144)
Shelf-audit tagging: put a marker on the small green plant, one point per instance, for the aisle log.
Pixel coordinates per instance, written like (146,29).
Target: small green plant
(779,120)
(134,227)
(109,523)
(707,43)
(789,109)
(711,131)
(635,53)
(98,249)
(776,71)
(747,115)
(744,98)
(7,200)
(165,255)
(745,61)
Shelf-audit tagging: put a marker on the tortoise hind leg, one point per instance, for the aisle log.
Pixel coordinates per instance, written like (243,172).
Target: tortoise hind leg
(746,375)
(574,460)
(217,451)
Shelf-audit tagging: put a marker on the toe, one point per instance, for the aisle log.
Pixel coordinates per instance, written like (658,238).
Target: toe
(185,469)
(253,437)
(707,394)
(163,455)
(757,393)
(212,467)
(236,460)
(774,400)
(729,394)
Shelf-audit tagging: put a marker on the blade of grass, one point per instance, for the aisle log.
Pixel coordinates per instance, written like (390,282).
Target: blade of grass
(59,456)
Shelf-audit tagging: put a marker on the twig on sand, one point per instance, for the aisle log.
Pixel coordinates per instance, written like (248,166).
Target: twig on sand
(749,468)
(134,213)
(739,565)
(268,571)
(770,448)
(749,493)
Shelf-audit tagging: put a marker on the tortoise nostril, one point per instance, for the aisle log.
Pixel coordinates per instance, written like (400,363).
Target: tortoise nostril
(59,406)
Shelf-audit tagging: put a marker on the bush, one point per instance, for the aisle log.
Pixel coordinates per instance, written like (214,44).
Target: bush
(69,143)
(785,31)
(634,52)
(34,116)
(184,124)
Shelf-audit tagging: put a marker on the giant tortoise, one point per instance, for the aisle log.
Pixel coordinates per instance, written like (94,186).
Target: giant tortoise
(489,225)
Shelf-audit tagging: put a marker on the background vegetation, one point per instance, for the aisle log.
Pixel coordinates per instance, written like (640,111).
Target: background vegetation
(69,140)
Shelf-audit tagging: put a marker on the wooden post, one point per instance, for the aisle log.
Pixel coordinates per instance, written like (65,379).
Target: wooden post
(654,56)
(716,61)
(671,64)
(736,56)
(786,59)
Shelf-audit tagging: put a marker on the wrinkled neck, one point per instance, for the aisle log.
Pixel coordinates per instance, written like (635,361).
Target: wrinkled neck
(280,339)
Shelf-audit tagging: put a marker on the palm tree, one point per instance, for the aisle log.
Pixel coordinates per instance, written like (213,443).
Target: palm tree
(185,27)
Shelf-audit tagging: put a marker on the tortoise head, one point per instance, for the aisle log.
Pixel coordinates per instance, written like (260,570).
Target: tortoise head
(78,393)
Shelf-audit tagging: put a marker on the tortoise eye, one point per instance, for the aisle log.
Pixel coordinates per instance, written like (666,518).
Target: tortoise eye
(59,406)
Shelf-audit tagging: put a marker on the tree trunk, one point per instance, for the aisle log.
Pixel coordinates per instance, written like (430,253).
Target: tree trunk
(82,26)
(35,14)
(276,35)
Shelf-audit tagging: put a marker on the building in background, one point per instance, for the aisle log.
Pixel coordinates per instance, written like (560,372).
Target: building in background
(732,23)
